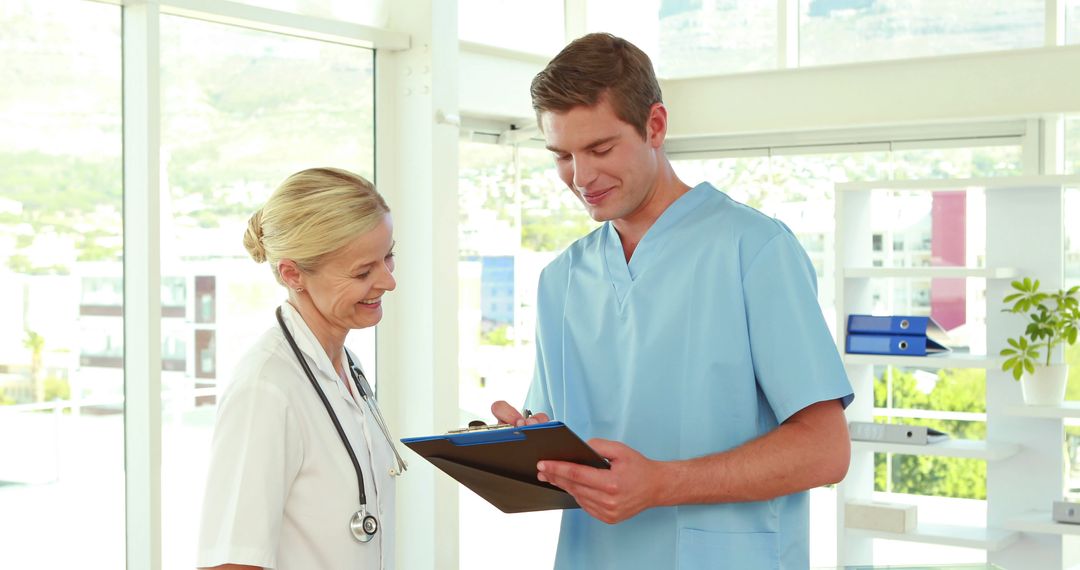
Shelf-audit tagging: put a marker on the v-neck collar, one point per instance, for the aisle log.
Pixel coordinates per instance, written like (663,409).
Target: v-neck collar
(623,274)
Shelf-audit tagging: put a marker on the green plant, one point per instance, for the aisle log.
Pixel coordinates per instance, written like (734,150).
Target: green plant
(1053,319)
(498,336)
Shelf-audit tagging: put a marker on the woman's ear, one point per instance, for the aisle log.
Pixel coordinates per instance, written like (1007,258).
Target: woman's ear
(290,274)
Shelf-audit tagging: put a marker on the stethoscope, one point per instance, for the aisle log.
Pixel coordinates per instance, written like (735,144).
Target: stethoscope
(362,525)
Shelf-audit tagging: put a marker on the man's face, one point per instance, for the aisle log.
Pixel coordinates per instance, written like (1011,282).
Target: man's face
(604,160)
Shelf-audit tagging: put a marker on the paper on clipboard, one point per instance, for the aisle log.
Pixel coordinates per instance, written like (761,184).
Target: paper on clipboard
(500,464)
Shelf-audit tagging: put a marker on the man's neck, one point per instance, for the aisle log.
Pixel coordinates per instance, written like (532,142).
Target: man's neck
(632,229)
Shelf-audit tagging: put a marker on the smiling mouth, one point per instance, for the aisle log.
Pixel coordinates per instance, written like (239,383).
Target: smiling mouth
(596,197)
(371,301)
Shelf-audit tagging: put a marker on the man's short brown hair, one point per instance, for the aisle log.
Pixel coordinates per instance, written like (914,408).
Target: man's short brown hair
(596,66)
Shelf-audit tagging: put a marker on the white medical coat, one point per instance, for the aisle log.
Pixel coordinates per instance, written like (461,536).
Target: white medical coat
(281,488)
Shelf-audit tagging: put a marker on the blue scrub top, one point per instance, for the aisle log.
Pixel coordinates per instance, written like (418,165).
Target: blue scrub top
(710,337)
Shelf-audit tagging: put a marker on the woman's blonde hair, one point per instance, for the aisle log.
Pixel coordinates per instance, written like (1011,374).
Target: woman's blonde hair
(312,214)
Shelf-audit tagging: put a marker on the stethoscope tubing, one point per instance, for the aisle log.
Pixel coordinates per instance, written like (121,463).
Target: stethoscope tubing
(329,409)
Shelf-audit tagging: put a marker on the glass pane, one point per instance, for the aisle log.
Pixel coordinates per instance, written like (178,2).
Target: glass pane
(232,129)
(1072,279)
(805,203)
(368,12)
(1072,145)
(956,390)
(1072,21)
(965,162)
(838,31)
(689,38)
(61,410)
(951,390)
(536,26)
(516,216)
(929,475)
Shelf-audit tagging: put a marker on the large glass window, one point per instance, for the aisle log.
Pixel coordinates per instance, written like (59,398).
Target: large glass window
(798,188)
(60,201)
(1072,21)
(535,26)
(241,110)
(516,216)
(688,38)
(870,30)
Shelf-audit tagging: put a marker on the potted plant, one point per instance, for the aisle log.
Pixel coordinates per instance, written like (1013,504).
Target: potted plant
(1053,319)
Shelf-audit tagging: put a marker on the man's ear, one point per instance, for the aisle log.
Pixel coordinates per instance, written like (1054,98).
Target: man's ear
(290,273)
(656,125)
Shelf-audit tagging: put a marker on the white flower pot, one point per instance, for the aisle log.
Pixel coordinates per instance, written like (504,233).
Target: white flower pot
(1046,387)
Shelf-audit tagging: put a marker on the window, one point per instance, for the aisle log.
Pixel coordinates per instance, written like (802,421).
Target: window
(61,178)
(516,216)
(1072,144)
(1072,273)
(369,12)
(535,27)
(872,30)
(691,37)
(241,110)
(1072,21)
(1072,353)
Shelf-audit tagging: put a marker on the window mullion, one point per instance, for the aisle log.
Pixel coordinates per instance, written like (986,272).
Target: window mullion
(142,285)
(787,33)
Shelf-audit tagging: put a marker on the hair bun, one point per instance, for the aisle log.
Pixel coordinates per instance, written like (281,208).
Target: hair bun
(253,237)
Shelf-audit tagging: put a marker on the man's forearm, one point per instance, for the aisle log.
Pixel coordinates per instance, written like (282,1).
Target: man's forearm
(809,450)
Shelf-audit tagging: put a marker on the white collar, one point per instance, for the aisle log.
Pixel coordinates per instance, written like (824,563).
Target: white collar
(309,343)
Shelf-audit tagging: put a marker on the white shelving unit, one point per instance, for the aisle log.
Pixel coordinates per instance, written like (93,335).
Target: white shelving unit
(936,361)
(966,448)
(948,535)
(1024,447)
(932,272)
(1040,522)
(1065,410)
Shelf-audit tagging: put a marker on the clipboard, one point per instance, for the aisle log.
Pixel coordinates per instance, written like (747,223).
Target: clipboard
(499,463)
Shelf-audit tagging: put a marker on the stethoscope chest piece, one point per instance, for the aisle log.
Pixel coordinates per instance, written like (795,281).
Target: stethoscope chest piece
(363,526)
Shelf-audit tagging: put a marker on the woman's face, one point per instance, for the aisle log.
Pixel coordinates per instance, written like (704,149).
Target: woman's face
(347,288)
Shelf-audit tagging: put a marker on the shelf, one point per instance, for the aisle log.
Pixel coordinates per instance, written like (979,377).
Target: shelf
(948,535)
(1040,521)
(965,448)
(1063,410)
(931,272)
(936,361)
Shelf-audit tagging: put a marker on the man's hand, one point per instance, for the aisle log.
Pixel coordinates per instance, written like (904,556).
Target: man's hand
(507,414)
(633,484)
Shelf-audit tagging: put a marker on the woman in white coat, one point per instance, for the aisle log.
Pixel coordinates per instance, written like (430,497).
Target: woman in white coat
(302,467)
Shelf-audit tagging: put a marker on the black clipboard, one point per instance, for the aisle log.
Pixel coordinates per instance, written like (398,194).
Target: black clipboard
(499,464)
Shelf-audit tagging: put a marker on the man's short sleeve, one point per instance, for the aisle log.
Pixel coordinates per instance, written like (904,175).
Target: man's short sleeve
(795,359)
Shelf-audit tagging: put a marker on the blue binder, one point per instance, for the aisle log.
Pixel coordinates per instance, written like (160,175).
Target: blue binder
(870,324)
(896,335)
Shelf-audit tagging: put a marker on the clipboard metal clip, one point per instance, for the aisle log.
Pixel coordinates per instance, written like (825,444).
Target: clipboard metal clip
(478,425)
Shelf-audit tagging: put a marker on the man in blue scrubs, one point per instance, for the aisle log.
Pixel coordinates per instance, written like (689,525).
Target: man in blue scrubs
(682,338)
